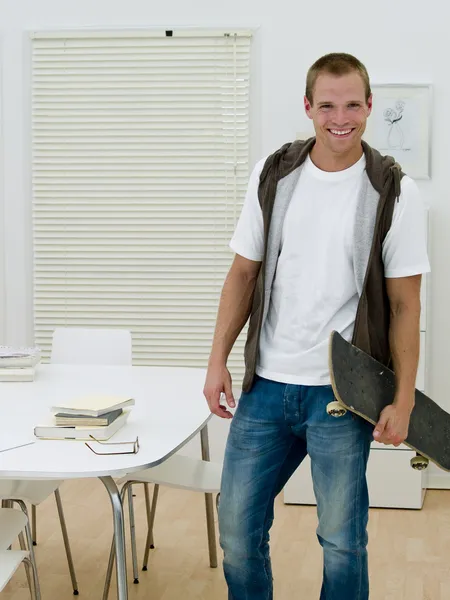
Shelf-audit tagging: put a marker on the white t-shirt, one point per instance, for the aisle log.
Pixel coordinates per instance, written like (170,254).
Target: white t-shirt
(314,289)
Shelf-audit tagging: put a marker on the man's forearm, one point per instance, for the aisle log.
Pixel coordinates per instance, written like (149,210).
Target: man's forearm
(234,310)
(404,338)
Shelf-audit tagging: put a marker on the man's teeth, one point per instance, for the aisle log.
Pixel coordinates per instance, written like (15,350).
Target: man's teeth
(338,132)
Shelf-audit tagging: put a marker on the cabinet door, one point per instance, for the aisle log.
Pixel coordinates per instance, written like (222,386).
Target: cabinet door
(391,480)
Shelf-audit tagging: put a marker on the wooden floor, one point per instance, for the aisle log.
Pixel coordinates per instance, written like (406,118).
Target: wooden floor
(409,550)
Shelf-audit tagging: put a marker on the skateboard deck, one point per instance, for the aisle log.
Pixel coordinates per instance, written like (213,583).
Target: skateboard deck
(364,386)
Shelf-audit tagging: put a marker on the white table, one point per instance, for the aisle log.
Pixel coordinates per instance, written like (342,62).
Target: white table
(170,409)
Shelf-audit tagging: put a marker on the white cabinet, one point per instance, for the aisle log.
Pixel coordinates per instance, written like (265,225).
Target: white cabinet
(391,480)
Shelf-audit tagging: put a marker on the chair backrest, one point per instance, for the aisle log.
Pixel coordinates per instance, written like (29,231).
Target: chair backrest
(10,560)
(80,346)
(12,523)
(33,492)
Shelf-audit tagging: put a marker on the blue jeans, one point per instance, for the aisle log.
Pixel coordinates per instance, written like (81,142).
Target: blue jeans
(274,427)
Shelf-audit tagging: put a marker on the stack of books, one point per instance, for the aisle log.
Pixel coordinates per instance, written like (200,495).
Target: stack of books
(18,364)
(86,417)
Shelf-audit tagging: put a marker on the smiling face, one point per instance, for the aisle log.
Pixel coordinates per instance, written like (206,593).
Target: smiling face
(339,111)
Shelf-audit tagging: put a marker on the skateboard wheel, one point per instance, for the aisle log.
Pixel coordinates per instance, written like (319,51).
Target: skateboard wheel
(335,409)
(419,463)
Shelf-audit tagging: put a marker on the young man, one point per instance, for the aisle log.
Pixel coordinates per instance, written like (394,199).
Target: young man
(331,237)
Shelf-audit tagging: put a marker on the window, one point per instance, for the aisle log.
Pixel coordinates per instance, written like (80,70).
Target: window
(139,167)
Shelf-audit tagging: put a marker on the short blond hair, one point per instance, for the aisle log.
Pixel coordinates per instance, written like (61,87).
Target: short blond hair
(336,63)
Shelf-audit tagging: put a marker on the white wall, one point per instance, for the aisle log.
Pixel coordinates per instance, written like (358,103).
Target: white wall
(399,42)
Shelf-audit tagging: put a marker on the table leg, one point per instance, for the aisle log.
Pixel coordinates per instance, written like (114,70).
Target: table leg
(119,536)
(209,504)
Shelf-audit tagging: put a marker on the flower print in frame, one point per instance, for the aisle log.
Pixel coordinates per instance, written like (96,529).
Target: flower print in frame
(400,125)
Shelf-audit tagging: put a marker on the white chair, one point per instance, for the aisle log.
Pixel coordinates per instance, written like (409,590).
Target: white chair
(73,345)
(109,346)
(180,472)
(12,524)
(34,493)
(84,346)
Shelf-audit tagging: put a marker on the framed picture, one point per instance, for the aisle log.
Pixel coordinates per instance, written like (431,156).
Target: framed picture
(400,125)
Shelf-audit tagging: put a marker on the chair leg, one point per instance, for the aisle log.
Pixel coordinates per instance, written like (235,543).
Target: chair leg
(148,510)
(23,546)
(30,547)
(7,504)
(35,587)
(34,524)
(209,503)
(151,521)
(62,520)
(133,534)
(109,571)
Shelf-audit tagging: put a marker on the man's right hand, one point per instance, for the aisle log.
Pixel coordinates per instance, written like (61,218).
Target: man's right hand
(218,381)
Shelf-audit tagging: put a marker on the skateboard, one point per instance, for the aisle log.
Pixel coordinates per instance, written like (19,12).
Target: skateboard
(364,386)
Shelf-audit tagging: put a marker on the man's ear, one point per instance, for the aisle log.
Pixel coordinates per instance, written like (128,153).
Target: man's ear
(308,107)
(369,104)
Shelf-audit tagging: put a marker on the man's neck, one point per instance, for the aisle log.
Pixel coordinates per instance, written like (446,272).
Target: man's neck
(332,162)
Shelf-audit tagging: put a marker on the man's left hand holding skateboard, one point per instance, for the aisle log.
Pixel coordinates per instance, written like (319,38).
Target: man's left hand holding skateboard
(393,424)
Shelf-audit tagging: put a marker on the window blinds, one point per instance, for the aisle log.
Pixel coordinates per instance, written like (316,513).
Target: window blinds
(139,171)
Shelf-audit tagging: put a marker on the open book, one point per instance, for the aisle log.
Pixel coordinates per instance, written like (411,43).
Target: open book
(93,405)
